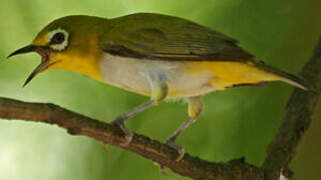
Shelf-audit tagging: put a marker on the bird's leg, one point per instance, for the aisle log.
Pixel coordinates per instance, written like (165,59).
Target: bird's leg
(195,107)
(158,93)
(120,120)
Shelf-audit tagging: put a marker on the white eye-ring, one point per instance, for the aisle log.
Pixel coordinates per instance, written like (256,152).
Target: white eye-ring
(58,39)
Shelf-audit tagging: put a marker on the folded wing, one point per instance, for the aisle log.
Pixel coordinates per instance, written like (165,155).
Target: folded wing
(164,37)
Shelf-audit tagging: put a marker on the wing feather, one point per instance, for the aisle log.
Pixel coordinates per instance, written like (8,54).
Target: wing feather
(163,37)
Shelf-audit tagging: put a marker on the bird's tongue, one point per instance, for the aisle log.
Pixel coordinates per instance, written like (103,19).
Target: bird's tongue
(44,53)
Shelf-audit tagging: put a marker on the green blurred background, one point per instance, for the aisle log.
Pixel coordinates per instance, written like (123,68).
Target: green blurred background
(236,122)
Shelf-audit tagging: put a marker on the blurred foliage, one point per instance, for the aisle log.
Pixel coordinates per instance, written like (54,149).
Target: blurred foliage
(236,122)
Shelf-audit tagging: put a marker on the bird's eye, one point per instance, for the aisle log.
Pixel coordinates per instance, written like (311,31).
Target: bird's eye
(58,38)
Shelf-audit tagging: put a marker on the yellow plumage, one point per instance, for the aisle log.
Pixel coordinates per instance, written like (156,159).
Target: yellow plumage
(228,74)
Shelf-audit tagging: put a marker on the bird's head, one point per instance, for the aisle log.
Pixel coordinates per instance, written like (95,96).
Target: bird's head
(68,43)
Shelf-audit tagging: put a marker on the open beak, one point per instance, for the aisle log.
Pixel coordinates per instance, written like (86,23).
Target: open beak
(44,53)
(26,49)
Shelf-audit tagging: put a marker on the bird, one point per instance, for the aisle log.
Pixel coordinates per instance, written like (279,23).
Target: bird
(156,55)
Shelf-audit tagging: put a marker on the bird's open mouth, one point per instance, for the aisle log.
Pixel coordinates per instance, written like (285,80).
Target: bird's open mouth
(43,51)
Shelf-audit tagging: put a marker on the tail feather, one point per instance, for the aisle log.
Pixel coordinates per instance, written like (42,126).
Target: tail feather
(286,77)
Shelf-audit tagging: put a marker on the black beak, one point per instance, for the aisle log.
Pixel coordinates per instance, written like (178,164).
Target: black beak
(26,49)
(43,51)
(42,66)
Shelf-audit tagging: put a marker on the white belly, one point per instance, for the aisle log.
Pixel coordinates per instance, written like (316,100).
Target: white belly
(134,75)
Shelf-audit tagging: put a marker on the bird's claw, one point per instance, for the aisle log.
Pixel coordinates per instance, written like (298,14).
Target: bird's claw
(128,134)
(179,149)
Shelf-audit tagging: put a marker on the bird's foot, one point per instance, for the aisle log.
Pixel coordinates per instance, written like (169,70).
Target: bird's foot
(128,134)
(179,148)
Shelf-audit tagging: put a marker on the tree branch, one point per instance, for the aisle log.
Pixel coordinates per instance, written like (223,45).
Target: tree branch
(280,152)
(297,119)
(77,124)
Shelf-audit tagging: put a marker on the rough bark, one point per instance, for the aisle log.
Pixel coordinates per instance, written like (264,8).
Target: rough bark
(280,152)
(298,117)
